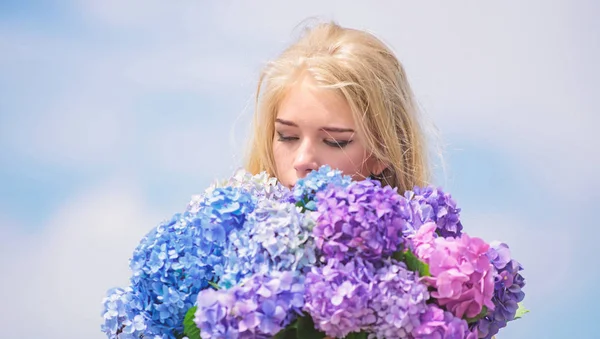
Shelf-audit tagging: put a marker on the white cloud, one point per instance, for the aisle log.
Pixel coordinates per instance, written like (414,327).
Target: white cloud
(193,149)
(127,14)
(54,281)
(88,116)
(75,133)
(182,68)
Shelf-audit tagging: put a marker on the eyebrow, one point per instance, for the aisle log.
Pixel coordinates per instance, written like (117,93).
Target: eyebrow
(327,129)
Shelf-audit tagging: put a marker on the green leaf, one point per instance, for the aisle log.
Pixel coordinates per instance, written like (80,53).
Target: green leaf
(287,333)
(307,330)
(521,311)
(357,335)
(414,264)
(189,326)
(214,285)
(398,255)
(483,313)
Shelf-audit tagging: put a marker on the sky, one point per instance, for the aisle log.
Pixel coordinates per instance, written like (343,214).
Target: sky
(114,113)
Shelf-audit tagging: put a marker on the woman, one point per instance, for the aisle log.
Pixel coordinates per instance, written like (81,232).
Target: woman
(337,97)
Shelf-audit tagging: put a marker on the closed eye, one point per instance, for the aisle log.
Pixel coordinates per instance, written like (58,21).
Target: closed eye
(337,143)
(284,138)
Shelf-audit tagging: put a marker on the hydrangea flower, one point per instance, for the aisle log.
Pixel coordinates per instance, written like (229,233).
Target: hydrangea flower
(507,291)
(432,204)
(179,257)
(337,296)
(398,300)
(260,186)
(123,316)
(275,237)
(259,308)
(260,241)
(422,242)
(305,189)
(436,323)
(460,271)
(227,207)
(363,218)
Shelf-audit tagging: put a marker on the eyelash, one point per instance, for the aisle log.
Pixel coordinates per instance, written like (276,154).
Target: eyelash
(335,143)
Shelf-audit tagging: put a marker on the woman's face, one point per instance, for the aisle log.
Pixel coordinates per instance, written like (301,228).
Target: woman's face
(314,127)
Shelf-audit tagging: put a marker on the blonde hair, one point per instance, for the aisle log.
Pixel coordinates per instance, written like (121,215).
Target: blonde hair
(367,74)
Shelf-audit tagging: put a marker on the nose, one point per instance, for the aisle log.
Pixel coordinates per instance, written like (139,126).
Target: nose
(305,160)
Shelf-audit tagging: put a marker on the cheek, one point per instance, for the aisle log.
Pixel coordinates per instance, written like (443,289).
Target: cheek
(281,156)
(283,165)
(351,161)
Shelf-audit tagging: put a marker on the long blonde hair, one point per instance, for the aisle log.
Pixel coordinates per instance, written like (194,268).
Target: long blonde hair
(367,74)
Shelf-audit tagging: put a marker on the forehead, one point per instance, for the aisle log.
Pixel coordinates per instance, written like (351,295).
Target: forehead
(307,104)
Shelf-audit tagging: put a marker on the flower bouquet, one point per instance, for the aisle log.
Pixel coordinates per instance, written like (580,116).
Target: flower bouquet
(332,257)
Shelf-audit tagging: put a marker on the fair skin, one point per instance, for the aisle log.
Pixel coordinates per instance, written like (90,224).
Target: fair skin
(315,127)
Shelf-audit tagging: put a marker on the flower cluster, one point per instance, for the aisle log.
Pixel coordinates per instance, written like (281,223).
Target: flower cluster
(259,308)
(305,189)
(432,204)
(250,258)
(460,269)
(260,186)
(275,237)
(361,218)
(123,315)
(399,301)
(436,323)
(173,262)
(358,227)
(507,291)
(337,296)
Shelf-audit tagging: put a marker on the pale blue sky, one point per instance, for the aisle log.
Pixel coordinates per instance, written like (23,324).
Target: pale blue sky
(113,113)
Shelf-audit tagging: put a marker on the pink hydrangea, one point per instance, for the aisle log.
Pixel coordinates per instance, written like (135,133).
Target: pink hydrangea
(460,271)
(423,241)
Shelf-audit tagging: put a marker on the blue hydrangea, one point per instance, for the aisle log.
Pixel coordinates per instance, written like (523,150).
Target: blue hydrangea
(179,258)
(305,188)
(260,186)
(276,237)
(259,308)
(123,316)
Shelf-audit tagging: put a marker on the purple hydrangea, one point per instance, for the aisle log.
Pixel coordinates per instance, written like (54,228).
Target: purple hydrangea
(363,218)
(398,300)
(306,188)
(436,323)
(507,291)
(259,308)
(432,204)
(337,297)
(275,237)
